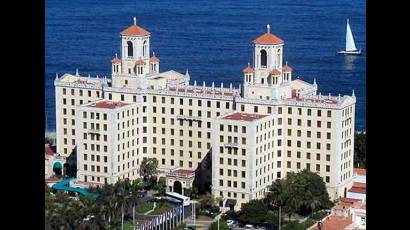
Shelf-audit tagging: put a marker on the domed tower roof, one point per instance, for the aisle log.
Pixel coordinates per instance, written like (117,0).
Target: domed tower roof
(134,30)
(116,60)
(268,38)
(154,58)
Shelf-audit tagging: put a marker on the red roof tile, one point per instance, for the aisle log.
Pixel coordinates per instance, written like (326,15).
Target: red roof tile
(268,39)
(248,70)
(135,30)
(116,60)
(49,150)
(154,58)
(358,188)
(359,185)
(359,171)
(140,62)
(244,116)
(335,223)
(184,171)
(286,68)
(107,104)
(346,199)
(275,72)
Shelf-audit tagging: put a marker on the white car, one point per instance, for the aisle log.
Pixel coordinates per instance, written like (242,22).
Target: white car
(248,226)
(229,222)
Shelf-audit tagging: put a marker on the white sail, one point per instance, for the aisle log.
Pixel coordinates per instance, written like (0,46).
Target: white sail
(350,46)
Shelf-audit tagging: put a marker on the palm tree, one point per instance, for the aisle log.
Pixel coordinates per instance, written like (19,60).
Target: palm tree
(122,196)
(136,188)
(313,202)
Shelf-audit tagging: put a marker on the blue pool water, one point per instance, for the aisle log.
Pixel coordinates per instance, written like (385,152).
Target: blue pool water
(210,38)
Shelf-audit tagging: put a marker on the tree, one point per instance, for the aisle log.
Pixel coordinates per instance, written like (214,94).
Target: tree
(301,193)
(206,201)
(360,149)
(149,169)
(160,186)
(191,192)
(253,212)
(222,225)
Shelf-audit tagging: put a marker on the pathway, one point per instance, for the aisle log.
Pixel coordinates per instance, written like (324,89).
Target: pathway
(155,205)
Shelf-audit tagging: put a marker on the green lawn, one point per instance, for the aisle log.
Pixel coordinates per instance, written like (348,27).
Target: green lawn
(144,207)
(161,208)
(128,225)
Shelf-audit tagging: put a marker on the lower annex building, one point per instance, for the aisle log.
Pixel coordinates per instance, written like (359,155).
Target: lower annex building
(270,125)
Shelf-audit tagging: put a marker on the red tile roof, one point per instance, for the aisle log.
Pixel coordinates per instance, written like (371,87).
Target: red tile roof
(154,58)
(359,185)
(140,62)
(358,188)
(134,30)
(116,60)
(184,171)
(248,70)
(244,116)
(347,200)
(107,104)
(275,72)
(359,171)
(287,68)
(49,150)
(268,39)
(335,223)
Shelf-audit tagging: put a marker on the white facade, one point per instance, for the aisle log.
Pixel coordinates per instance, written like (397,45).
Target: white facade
(178,121)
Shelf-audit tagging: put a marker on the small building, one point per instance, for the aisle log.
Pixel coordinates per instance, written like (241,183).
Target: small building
(347,214)
(178,180)
(54,163)
(358,189)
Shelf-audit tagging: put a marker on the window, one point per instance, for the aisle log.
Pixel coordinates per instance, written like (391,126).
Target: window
(144,49)
(130,49)
(329,113)
(264,58)
(329,125)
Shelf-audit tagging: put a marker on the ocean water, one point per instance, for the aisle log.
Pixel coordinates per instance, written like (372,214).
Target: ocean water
(213,39)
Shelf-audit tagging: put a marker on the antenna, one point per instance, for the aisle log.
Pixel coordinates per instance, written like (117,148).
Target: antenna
(268,28)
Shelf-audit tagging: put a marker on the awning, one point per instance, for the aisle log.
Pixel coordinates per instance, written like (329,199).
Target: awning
(58,165)
(230,203)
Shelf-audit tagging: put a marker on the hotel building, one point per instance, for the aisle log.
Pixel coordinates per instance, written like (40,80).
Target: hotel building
(272,124)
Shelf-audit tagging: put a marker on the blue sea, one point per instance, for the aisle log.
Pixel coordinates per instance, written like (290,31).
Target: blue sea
(210,38)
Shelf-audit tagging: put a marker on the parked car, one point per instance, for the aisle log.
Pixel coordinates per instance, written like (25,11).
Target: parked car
(249,226)
(229,222)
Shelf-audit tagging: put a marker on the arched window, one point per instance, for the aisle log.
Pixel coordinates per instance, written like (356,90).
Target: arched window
(130,49)
(263,80)
(144,49)
(264,58)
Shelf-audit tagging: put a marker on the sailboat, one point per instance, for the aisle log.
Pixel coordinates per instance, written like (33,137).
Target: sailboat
(350,46)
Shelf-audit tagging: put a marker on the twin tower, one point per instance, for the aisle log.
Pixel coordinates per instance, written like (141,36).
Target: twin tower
(267,79)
